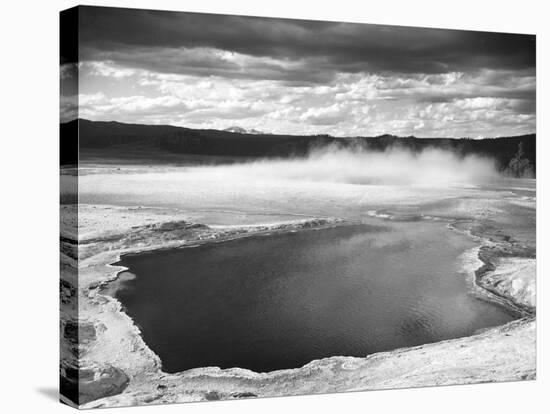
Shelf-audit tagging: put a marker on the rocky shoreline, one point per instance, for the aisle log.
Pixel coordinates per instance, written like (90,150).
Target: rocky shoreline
(118,369)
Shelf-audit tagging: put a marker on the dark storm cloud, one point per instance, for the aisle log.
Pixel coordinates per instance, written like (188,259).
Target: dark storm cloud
(327,47)
(200,62)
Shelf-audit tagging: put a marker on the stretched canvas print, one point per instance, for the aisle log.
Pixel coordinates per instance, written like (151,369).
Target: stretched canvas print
(260,207)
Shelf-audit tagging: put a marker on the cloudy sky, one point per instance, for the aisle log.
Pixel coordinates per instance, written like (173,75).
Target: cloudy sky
(300,77)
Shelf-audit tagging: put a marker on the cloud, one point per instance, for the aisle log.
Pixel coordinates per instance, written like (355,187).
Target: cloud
(68,108)
(126,107)
(455,104)
(208,62)
(107,69)
(325,115)
(301,77)
(124,35)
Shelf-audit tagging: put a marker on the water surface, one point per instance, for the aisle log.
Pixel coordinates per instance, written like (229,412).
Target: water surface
(279,301)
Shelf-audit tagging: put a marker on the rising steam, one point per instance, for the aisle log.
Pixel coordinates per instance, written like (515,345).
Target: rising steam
(358,166)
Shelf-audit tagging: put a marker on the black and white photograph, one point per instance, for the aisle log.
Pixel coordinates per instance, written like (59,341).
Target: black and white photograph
(261,207)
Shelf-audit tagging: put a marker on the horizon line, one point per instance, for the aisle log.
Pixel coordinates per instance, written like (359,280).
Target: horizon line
(295,135)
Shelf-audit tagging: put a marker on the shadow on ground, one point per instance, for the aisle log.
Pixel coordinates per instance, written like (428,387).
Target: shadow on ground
(51,393)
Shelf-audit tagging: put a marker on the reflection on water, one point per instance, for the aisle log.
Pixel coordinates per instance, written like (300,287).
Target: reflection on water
(268,303)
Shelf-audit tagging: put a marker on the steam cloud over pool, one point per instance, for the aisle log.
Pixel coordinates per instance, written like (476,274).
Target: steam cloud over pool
(328,182)
(395,166)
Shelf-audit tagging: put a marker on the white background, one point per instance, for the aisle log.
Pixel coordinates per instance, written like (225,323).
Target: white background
(29,207)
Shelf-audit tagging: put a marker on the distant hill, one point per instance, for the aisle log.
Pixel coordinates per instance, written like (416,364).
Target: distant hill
(115,139)
(240,130)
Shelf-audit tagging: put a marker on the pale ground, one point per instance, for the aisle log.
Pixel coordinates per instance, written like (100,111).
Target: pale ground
(514,278)
(130,209)
(114,358)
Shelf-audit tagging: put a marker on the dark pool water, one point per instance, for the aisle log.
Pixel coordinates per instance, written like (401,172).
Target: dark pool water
(274,302)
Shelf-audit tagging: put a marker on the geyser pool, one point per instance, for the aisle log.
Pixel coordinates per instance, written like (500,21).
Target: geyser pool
(282,300)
